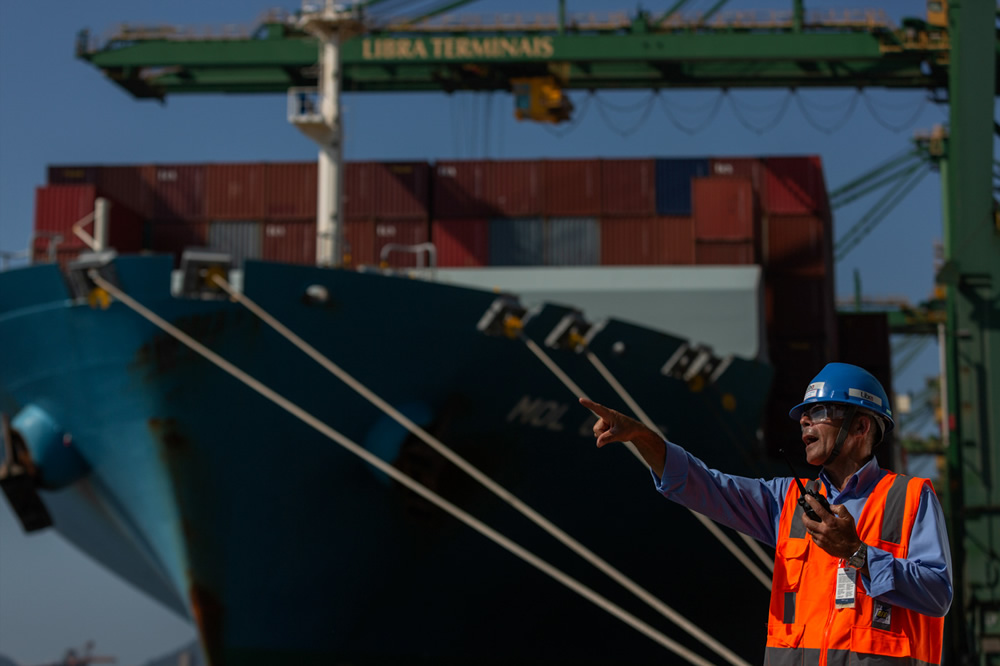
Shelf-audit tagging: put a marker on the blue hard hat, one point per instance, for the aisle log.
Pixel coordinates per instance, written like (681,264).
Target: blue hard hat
(846,384)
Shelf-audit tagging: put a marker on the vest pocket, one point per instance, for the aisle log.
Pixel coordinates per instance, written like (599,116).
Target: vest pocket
(794,552)
(785,635)
(867,640)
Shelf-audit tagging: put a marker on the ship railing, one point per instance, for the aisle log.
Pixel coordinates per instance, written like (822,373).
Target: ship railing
(420,250)
(7,256)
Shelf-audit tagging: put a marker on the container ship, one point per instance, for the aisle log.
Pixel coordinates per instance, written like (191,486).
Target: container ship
(479,299)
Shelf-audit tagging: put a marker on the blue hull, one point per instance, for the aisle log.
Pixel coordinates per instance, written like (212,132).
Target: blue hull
(285,548)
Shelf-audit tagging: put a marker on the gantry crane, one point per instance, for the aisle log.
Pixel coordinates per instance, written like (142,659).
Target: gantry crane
(953,50)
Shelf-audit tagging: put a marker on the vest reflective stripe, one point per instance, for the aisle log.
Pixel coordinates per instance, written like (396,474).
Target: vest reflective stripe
(789,616)
(804,627)
(810,657)
(895,503)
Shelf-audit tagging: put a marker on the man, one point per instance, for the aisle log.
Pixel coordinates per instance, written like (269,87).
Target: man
(871,575)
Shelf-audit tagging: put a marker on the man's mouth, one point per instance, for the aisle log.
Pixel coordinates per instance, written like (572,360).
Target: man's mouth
(809,438)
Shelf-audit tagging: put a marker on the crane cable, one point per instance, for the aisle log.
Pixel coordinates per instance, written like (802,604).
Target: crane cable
(409,482)
(707,522)
(482,478)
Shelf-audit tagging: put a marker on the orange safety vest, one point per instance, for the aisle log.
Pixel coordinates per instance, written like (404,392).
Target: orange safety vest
(805,628)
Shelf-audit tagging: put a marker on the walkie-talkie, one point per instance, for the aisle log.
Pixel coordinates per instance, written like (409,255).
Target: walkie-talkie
(809,511)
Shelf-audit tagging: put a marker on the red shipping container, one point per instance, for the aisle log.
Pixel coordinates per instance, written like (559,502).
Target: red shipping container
(290,190)
(400,232)
(72,175)
(174,237)
(514,188)
(173,191)
(748,168)
(461,242)
(123,185)
(653,240)
(799,306)
(386,190)
(794,186)
(460,190)
(572,188)
(797,245)
(723,209)
(290,242)
(628,187)
(724,253)
(359,243)
(863,339)
(234,192)
(59,207)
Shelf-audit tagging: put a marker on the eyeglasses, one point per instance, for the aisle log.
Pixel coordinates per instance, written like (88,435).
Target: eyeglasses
(825,413)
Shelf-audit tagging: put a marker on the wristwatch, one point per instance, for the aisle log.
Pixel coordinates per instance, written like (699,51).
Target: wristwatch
(859,558)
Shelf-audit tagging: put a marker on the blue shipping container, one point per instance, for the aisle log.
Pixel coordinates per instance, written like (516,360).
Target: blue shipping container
(573,241)
(517,242)
(673,184)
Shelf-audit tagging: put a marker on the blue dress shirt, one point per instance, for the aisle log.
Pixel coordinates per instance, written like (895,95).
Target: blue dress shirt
(920,582)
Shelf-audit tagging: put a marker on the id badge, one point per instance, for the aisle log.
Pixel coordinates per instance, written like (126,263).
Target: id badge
(847,587)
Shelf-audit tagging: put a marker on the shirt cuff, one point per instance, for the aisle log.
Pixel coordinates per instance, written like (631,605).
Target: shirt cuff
(879,579)
(675,470)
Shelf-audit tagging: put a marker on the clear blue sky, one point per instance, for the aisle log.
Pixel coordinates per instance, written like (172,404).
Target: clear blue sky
(55,109)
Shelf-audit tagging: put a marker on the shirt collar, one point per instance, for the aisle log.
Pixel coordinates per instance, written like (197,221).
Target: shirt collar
(860,482)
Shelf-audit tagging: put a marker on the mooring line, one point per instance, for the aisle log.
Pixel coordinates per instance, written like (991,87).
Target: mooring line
(482,478)
(707,522)
(402,478)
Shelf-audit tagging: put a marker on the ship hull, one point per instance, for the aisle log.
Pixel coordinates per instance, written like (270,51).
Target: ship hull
(284,547)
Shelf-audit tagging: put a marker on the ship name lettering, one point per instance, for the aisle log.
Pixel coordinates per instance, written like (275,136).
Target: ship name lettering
(449,48)
(538,413)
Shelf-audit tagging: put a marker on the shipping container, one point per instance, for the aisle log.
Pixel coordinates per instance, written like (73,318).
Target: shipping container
(386,190)
(460,190)
(171,237)
(797,245)
(628,188)
(173,191)
(517,242)
(234,191)
(724,253)
(673,184)
(123,185)
(572,188)
(863,339)
(794,186)
(651,240)
(799,306)
(290,190)
(241,240)
(748,168)
(359,243)
(72,175)
(514,188)
(59,207)
(572,241)
(724,209)
(289,241)
(403,234)
(463,243)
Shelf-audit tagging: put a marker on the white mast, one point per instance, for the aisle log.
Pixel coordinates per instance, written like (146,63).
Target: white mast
(331,24)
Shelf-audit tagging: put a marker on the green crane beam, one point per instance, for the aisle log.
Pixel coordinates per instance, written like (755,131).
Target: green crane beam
(279,57)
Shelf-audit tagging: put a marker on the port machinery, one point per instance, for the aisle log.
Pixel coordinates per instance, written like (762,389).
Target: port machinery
(951,52)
